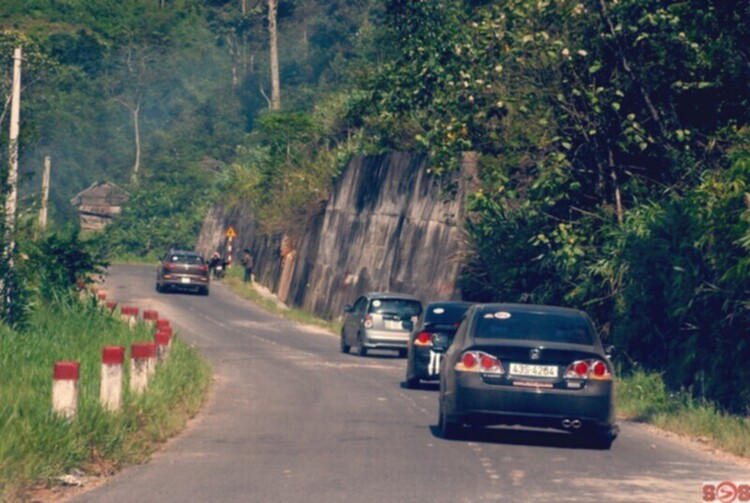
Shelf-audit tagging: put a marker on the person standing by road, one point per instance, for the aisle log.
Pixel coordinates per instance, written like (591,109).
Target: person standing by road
(247,263)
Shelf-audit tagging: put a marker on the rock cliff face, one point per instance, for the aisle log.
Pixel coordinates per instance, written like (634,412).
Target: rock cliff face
(386,227)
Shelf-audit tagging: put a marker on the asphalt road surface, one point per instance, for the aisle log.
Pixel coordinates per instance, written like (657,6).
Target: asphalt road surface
(291,419)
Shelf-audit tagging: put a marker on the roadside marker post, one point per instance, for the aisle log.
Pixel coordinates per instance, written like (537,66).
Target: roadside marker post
(142,358)
(110,393)
(129,314)
(163,341)
(150,316)
(65,389)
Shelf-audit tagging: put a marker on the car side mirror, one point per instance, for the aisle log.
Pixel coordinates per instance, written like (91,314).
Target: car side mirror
(348,308)
(440,343)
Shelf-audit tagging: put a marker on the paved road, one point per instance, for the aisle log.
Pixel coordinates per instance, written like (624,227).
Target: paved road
(293,420)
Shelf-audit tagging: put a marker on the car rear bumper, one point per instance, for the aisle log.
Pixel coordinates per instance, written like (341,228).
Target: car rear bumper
(185,282)
(427,364)
(385,339)
(475,401)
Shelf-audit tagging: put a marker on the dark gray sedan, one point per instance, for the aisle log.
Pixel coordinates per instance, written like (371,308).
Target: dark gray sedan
(528,365)
(182,270)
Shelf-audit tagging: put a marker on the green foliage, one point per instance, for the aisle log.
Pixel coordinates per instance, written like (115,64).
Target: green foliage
(164,212)
(287,169)
(60,263)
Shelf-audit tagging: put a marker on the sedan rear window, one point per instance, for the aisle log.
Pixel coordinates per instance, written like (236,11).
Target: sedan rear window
(401,307)
(538,326)
(187,259)
(445,314)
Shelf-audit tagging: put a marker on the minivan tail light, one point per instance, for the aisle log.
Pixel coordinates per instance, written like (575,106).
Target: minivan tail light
(423,339)
(588,369)
(368,321)
(479,361)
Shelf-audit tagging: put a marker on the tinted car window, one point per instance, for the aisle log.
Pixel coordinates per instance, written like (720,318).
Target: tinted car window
(444,315)
(548,327)
(400,307)
(360,305)
(186,259)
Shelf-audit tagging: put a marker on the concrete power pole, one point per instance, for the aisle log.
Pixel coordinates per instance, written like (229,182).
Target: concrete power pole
(45,194)
(12,195)
(273,42)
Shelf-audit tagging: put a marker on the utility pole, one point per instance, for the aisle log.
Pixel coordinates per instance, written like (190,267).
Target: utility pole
(273,42)
(45,194)
(12,195)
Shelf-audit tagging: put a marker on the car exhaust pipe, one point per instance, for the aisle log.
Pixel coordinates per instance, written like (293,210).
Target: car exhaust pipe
(566,423)
(576,423)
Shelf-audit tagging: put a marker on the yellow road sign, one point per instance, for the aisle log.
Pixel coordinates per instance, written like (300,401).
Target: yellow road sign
(231,233)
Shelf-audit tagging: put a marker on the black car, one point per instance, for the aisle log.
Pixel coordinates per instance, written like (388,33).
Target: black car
(528,365)
(437,325)
(182,270)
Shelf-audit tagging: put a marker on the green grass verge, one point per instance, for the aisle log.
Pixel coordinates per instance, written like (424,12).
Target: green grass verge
(643,396)
(37,446)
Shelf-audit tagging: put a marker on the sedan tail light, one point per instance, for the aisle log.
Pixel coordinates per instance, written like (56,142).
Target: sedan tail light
(423,339)
(479,361)
(368,321)
(169,266)
(203,268)
(588,369)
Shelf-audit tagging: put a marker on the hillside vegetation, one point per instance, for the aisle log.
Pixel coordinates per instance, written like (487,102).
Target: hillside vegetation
(612,137)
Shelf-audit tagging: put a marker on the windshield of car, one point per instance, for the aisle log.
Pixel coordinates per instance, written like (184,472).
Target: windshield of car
(186,259)
(401,307)
(444,314)
(538,326)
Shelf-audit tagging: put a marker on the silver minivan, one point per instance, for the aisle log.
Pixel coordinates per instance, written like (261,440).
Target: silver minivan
(380,320)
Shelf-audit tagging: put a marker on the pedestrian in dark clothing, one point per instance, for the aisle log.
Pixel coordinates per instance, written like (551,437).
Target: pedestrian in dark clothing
(247,263)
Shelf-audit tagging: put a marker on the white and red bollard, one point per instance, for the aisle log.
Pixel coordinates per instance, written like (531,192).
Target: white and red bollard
(110,393)
(142,365)
(129,314)
(163,341)
(65,389)
(150,316)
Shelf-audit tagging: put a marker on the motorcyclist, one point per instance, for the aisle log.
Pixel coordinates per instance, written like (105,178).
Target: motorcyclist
(216,264)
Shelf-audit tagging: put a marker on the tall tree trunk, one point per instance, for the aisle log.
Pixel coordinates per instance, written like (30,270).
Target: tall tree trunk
(273,42)
(137,134)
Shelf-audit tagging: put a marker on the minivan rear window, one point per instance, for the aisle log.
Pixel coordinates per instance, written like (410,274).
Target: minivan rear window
(538,326)
(401,307)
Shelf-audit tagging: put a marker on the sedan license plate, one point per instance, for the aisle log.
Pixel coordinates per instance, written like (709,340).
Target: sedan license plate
(523,369)
(185,280)
(393,324)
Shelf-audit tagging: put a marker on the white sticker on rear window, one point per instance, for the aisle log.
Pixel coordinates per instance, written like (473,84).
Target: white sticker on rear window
(438,310)
(502,315)
(376,303)
(489,316)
